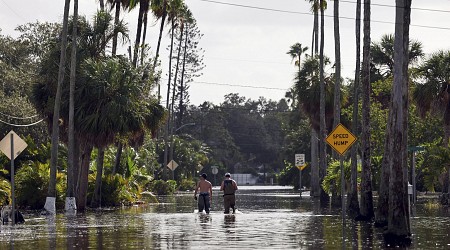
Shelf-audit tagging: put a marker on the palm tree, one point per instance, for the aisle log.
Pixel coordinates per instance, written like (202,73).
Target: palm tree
(70,196)
(315,186)
(174,12)
(337,94)
(296,52)
(51,196)
(352,196)
(366,202)
(398,230)
(382,56)
(432,93)
(323,130)
(159,9)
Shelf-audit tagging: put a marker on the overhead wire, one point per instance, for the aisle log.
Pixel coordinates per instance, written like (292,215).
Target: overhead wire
(310,14)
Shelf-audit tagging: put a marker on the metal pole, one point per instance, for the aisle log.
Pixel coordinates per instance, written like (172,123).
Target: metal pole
(300,181)
(342,189)
(413,178)
(13,197)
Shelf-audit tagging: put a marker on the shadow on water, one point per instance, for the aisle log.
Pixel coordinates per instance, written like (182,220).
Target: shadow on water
(268,219)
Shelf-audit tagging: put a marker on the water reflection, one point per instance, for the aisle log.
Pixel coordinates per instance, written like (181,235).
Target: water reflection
(270,219)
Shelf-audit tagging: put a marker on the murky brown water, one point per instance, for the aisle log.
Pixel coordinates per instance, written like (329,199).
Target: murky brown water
(268,219)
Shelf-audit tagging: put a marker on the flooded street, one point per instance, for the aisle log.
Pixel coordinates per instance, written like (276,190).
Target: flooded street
(267,219)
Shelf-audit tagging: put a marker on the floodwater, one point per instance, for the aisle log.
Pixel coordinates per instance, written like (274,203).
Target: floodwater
(267,218)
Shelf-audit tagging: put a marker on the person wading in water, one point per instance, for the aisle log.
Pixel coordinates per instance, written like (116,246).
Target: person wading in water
(205,196)
(229,188)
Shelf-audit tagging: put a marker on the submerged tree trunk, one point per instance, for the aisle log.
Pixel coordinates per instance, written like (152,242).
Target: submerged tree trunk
(398,231)
(70,202)
(337,199)
(315,186)
(83,179)
(97,197)
(324,198)
(51,195)
(352,197)
(366,206)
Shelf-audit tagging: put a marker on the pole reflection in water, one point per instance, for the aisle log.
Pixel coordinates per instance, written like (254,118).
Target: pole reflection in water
(270,219)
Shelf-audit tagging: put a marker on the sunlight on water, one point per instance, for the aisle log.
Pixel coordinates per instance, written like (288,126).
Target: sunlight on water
(265,219)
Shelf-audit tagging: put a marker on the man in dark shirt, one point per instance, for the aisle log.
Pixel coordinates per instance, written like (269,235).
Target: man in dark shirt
(229,188)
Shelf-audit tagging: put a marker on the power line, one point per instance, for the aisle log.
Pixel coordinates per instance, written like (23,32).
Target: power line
(22,125)
(241,86)
(9,7)
(310,14)
(393,6)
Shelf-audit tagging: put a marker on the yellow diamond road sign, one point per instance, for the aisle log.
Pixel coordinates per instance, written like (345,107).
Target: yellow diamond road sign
(341,139)
(300,161)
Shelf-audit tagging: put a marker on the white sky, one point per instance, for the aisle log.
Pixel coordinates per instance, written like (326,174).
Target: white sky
(248,46)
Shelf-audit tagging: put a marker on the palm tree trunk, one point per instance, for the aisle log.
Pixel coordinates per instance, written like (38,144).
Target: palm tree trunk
(352,197)
(51,195)
(366,206)
(316,29)
(143,38)
(83,176)
(398,218)
(97,197)
(138,34)
(324,198)
(337,199)
(166,149)
(73,65)
(118,157)
(116,23)
(163,20)
(181,105)
(102,5)
(315,186)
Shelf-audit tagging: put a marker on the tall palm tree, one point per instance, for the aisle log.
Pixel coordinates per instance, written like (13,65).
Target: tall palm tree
(70,204)
(51,195)
(159,9)
(337,94)
(315,185)
(398,219)
(296,51)
(352,196)
(323,130)
(366,202)
(174,12)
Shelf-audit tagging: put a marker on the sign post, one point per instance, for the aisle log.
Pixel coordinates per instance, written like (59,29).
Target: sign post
(300,164)
(12,145)
(341,139)
(215,170)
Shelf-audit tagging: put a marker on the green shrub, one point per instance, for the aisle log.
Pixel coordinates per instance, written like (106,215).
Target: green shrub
(115,190)
(5,192)
(162,187)
(186,184)
(32,185)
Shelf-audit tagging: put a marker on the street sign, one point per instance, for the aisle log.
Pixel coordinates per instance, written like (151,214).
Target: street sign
(341,139)
(172,165)
(19,145)
(214,170)
(300,161)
